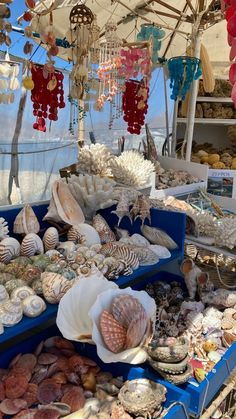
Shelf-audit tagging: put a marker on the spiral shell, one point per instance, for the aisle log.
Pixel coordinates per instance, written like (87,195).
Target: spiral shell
(50,238)
(54,286)
(75,236)
(11,312)
(33,306)
(121,252)
(31,245)
(9,249)
(22,292)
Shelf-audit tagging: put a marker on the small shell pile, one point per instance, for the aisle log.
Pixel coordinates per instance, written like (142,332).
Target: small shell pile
(126,325)
(55,381)
(172,178)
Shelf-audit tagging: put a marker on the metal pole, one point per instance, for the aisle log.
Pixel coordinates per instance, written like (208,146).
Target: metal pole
(188,139)
(174,129)
(166,111)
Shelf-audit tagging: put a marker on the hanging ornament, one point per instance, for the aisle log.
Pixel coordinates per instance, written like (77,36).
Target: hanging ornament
(81,15)
(149,32)
(135,105)
(47,95)
(182,72)
(135,61)
(28,48)
(5,26)
(8,80)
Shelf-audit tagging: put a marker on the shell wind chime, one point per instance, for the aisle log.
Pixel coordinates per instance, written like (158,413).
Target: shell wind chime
(5,26)
(9,82)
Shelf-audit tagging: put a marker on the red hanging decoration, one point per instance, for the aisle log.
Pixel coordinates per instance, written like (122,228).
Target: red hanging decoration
(135,105)
(47,95)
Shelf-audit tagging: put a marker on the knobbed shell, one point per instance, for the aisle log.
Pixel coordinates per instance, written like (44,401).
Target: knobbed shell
(31,245)
(50,238)
(54,286)
(22,292)
(9,249)
(26,221)
(33,306)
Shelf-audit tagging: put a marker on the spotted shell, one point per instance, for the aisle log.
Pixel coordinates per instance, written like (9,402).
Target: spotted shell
(33,306)
(54,286)
(113,333)
(121,252)
(105,233)
(31,245)
(9,249)
(22,292)
(125,308)
(50,238)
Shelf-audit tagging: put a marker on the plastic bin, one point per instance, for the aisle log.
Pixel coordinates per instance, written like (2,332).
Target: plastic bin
(174,394)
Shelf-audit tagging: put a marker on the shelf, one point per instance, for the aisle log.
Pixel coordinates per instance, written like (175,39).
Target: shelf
(211,121)
(214,99)
(218,250)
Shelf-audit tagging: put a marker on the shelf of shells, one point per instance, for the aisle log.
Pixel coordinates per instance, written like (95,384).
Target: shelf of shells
(44,252)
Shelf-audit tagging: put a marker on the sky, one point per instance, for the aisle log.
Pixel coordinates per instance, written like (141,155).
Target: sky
(94,120)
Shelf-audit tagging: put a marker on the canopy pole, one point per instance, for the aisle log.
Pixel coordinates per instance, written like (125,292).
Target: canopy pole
(188,138)
(166,110)
(81,126)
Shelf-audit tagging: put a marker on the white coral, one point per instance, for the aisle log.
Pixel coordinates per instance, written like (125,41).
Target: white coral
(131,169)
(92,193)
(225,232)
(95,160)
(3,229)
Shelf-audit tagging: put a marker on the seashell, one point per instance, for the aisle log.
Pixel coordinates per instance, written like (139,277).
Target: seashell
(48,392)
(11,312)
(63,206)
(145,255)
(41,261)
(54,286)
(31,273)
(15,269)
(228,339)
(50,238)
(82,250)
(90,235)
(161,251)
(113,333)
(3,294)
(5,277)
(15,387)
(22,260)
(26,222)
(227,323)
(80,259)
(141,396)
(121,251)
(75,236)
(98,258)
(209,345)
(62,409)
(14,283)
(158,236)
(72,317)
(84,270)
(33,306)
(22,292)
(74,398)
(9,249)
(191,272)
(66,248)
(12,407)
(136,330)
(37,286)
(141,208)
(124,308)
(105,233)
(96,247)
(3,229)
(168,350)
(90,254)
(31,245)
(122,208)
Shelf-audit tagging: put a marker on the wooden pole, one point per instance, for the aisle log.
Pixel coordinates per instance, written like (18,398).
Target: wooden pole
(81,127)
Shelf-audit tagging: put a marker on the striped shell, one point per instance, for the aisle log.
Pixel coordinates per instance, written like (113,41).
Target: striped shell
(33,306)
(113,333)
(75,236)
(9,249)
(22,292)
(31,245)
(136,330)
(121,252)
(54,286)
(158,236)
(26,221)
(105,233)
(125,308)
(50,238)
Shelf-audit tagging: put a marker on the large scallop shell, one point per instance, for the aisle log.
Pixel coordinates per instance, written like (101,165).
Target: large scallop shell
(136,330)
(122,252)
(50,238)
(105,233)
(103,302)
(9,249)
(158,236)
(22,292)
(26,221)
(113,333)
(54,286)
(63,206)
(89,235)
(31,245)
(33,306)
(124,308)
(72,317)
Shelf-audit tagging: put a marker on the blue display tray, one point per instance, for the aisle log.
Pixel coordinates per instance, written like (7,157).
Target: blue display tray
(174,395)
(201,394)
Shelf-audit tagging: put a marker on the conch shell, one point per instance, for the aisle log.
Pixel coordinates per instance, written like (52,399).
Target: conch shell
(26,222)
(63,206)
(9,249)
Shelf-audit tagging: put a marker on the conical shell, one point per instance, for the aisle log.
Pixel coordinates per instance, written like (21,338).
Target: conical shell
(124,308)
(113,333)
(50,238)
(136,330)
(64,207)
(158,236)
(31,245)
(105,233)
(54,286)
(9,249)
(33,306)
(26,222)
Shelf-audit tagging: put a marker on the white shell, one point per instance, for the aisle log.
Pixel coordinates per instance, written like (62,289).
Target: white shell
(50,238)
(103,302)
(14,84)
(63,206)
(33,306)
(96,247)
(1,328)
(72,317)
(26,221)
(54,286)
(22,292)
(11,312)
(91,236)
(3,294)
(9,249)
(66,248)
(31,245)
(3,228)
(161,251)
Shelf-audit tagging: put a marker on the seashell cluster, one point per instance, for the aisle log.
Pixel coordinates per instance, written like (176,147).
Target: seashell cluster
(131,169)
(3,229)
(95,160)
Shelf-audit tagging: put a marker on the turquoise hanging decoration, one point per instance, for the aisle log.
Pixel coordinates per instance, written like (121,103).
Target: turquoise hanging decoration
(182,72)
(146,33)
